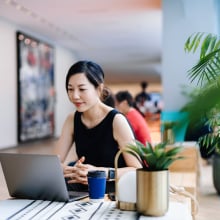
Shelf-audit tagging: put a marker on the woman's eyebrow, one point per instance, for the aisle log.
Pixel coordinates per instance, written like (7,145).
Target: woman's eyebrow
(81,85)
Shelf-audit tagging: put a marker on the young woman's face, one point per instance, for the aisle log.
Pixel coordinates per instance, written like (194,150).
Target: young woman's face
(121,106)
(81,92)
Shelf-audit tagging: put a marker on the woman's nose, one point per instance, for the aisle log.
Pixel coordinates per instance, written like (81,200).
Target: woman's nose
(74,95)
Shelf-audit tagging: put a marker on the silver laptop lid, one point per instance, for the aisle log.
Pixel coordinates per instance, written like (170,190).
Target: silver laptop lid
(34,176)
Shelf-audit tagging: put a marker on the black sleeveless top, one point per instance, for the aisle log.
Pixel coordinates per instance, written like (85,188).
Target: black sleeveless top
(97,144)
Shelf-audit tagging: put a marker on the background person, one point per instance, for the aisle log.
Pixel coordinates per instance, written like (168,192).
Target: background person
(143,99)
(98,131)
(124,103)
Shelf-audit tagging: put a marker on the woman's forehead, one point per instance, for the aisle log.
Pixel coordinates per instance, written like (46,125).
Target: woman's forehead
(79,78)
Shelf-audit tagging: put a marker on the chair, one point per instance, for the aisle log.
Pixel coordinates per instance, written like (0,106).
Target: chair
(179,129)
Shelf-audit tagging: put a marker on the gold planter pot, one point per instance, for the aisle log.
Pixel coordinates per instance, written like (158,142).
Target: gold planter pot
(152,192)
(168,136)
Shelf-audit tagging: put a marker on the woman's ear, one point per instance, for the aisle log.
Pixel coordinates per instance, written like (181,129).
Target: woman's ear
(101,86)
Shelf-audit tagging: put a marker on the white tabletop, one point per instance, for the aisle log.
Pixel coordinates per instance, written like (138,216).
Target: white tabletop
(177,210)
(26,209)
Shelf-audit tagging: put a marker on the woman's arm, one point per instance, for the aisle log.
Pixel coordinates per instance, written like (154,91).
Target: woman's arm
(65,141)
(123,134)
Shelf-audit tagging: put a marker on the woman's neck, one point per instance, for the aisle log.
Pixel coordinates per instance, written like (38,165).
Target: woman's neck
(95,115)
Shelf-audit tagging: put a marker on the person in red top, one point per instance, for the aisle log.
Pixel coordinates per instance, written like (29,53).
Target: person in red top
(124,103)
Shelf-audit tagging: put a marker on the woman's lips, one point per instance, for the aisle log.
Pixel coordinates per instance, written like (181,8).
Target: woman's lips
(78,104)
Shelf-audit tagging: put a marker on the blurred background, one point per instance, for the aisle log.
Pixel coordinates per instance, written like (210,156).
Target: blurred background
(133,41)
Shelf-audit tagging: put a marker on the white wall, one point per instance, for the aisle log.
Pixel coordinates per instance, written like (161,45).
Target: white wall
(63,61)
(181,18)
(8,85)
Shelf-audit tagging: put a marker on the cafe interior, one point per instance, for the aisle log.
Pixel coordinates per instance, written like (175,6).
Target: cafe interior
(133,41)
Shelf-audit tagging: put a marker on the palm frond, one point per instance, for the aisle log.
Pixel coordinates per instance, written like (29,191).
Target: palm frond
(207,68)
(208,64)
(204,106)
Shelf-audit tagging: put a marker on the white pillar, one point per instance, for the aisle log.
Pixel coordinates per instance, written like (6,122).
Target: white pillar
(181,18)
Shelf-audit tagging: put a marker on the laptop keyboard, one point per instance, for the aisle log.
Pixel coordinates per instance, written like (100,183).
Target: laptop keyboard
(76,195)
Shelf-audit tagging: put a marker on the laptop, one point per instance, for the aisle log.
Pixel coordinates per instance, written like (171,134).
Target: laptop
(36,177)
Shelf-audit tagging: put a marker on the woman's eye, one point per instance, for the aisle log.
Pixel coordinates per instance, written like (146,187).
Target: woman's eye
(70,90)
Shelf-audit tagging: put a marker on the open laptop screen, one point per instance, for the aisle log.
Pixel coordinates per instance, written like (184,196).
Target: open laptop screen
(35,176)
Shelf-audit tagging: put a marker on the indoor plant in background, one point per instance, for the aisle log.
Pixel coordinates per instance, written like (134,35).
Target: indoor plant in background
(167,131)
(205,104)
(153,177)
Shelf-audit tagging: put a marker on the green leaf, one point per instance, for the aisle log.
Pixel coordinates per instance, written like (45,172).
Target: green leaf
(151,160)
(193,40)
(173,151)
(205,45)
(159,153)
(197,42)
(213,43)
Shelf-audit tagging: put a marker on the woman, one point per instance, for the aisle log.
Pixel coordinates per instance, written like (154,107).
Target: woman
(98,131)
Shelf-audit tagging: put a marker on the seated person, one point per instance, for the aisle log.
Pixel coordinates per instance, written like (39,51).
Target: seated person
(98,131)
(124,103)
(142,99)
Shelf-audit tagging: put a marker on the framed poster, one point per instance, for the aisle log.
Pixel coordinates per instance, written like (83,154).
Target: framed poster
(36,94)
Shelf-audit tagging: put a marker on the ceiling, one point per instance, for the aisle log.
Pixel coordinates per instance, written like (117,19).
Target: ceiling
(123,36)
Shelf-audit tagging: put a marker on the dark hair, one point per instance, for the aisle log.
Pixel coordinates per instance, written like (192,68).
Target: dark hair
(92,71)
(110,100)
(124,95)
(144,84)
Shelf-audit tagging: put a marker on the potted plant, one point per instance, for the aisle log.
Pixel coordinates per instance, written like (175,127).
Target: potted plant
(205,104)
(167,131)
(152,178)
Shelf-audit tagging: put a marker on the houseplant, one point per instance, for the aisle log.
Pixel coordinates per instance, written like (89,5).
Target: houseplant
(152,178)
(205,104)
(167,131)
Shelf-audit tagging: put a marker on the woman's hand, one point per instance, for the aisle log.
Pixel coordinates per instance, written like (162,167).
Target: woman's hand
(78,173)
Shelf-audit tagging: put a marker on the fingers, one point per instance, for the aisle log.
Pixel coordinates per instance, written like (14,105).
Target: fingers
(77,173)
(81,160)
(78,179)
(69,170)
(79,164)
(74,173)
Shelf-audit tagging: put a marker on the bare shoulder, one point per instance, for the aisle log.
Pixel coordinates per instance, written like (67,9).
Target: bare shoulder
(120,124)
(69,120)
(120,118)
(122,131)
(70,116)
